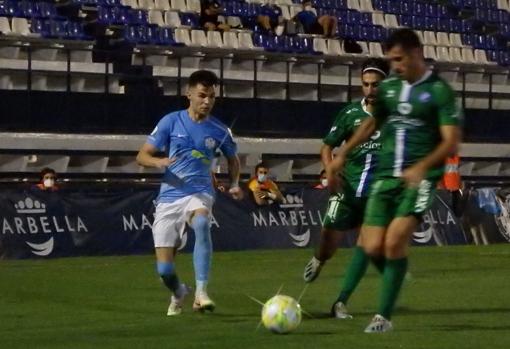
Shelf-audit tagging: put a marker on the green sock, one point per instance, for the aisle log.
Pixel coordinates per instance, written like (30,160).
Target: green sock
(354,273)
(393,275)
(379,263)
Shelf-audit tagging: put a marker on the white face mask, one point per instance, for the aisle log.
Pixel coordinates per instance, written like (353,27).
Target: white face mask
(261,178)
(308,7)
(48,183)
(324,182)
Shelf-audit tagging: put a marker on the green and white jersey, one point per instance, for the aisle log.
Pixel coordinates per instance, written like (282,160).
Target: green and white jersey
(410,116)
(359,168)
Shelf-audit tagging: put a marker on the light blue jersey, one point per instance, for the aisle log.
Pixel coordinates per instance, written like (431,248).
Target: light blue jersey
(193,144)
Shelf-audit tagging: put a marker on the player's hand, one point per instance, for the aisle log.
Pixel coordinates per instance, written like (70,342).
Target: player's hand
(236,193)
(221,188)
(260,194)
(413,175)
(165,162)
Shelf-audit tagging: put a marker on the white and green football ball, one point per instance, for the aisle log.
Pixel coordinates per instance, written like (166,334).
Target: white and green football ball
(281,314)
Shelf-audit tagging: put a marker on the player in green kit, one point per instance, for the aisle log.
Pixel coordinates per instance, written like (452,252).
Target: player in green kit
(345,207)
(419,120)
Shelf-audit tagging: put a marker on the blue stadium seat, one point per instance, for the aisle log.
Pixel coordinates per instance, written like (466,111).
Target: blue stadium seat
(27,9)
(418,22)
(39,26)
(504,30)
(466,26)
(120,15)
(503,58)
(348,32)
(480,42)
(380,33)
(442,11)
(111,2)
(492,55)
(406,8)
(136,34)
(189,19)
(46,10)
(340,4)
(469,3)
(504,16)
(432,23)
(11,9)
(419,9)
(481,14)
(366,18)
(405,21)
(57,29)
(138,17)
(353,17)
(75,31)
(454,25)
(457,3)
(431,10)
(366,33)
(381,5)
(341,15)
(393,7)
(468,39)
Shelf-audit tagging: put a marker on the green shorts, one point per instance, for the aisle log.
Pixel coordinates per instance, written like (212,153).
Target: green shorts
(390,198)
(345,212)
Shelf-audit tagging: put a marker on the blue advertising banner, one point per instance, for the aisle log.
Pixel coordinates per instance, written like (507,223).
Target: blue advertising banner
(94,221)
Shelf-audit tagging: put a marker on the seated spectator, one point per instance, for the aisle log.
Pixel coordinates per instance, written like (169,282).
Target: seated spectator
(270,17)
(47,180)
(323,184)
(210,10)
(323,25)
(264,190)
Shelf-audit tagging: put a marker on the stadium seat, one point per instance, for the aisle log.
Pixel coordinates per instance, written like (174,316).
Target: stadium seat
(503,5)
(480,57)
(455,40)
(320,45)
(443,54)
(429,38)
(5,27)
(391,21)
(172,19)
(230,40)
(156,17)
(131,3)
(27,9)
(190,20)
(246,41)
(198,38)
(162,5)
(366,6)
(182,36)
(193,6)
(355,4)
(146,4)
(429,52)
(378,19)
(455,54)
(467,55)
(334,47)
(20,26)
(375,49)
(178,5)
(443,39)
(139,17)
(214,39)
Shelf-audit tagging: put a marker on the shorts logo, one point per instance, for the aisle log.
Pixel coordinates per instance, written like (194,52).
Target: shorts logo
(405,108)
(210,143)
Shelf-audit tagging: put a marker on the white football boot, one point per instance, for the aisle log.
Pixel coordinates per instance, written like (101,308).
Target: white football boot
(312,269)
(379,324)
(203,302)
(339,311)
(176,301)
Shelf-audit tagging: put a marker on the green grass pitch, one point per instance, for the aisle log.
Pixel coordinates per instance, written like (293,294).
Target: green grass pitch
(458,297)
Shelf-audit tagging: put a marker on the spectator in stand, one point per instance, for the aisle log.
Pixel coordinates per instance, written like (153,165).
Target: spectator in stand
(323,184)
(270,17)
(47,180)
(264,190)
(313,24)
(210,10)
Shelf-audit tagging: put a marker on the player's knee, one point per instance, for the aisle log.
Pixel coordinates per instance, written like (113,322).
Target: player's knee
(394,248)
(200,225)
(165,268)
(373,248)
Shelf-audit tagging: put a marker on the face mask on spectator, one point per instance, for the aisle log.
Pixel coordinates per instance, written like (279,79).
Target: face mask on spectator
(48,183)
(324,182)
(261,177)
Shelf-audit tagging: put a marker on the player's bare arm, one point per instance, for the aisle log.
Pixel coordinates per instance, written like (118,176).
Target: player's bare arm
(146,157)
(233,171)
(362,134)
(326,155)
(450,139)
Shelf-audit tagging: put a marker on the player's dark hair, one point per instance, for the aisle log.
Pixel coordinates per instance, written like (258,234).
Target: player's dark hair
(405,37)
(377,65)
(45,171)
(204,77)
(260,165)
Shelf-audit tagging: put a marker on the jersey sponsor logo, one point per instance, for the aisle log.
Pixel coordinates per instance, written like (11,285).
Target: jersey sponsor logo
(390,93)
(357,122)
(405,122)
(424,97)
(404,108)
(201,156)
(210,143)
(376,135)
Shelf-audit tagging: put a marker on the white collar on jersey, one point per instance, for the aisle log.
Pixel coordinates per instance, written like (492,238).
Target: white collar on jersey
(424,77)
(364,106)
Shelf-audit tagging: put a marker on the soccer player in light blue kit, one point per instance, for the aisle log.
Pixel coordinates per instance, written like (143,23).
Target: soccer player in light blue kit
(189,138)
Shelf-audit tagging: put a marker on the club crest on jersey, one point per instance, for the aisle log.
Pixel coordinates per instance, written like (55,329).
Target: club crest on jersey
(390,93)
(424,97)
(210,143)
(405,108)
(357,122)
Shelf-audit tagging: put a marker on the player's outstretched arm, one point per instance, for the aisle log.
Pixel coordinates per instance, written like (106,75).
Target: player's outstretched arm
(326,155)
(362,134)
(146,157)
(234,168)
(450,140)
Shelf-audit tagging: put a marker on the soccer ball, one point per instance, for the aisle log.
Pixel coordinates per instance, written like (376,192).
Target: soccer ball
(281,314)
